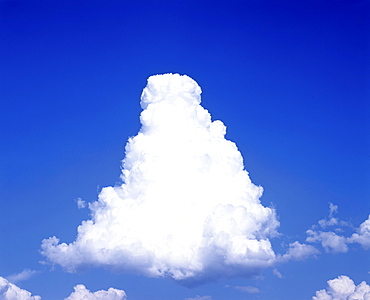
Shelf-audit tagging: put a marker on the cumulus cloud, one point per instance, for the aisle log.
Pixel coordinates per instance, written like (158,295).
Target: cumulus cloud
(331,241)
(9,291)
(186,209)
(362,235)
(24,275)
(81,293)
(343,288)
(298,251)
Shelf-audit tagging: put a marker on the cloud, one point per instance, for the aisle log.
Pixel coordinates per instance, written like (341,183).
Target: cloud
(333,242)
(298,251)
(24,275)
(197,297)
(186,209)
(277,273)
(81,293)
(331,220)
(362,235)
(81,203)
(343,288)
(333,209)
(330,241)
(9,291)
(247,289)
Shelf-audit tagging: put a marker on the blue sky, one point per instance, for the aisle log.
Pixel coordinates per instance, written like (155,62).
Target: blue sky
(290,80)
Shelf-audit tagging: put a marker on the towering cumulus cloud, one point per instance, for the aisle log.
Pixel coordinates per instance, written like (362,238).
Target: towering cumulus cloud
(186,209)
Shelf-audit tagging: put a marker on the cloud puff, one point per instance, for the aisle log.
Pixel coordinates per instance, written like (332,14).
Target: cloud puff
(9,291)
(362,235)
(343,288)
(333,242)
(298,251)
(186,209)
(81,293)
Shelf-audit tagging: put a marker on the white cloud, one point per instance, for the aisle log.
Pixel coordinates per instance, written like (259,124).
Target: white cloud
(9,291)
(298,251)
(277,273)
(81,203)
(247,289)
(197,297)
(330,241)
(186,208)
(331,221)
(343,288)
(362,235)
(333,242)
(24,275)
(81,293)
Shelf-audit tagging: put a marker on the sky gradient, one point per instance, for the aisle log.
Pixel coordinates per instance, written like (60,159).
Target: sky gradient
(289,80)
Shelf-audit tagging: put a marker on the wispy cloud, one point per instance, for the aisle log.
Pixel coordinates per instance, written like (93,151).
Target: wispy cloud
(277,273)
(24,275)
(186,208)
(81,203)
(247,289)
(197,297)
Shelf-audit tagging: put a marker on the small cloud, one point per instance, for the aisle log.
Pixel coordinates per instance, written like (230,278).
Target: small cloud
(81,203)
(298,251)
(330,241)
(81,293)
(362,235)
(197,297)
(277,273)
(332,209)
(247,289)
(331,220)
(343,287)
(9,291)
(24,275)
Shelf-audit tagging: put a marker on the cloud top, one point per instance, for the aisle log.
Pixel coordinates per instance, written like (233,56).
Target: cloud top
(9,291)
(186,207)
(81,293)
(343,288)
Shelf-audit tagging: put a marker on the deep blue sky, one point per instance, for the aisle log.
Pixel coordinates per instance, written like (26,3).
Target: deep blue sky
(290,80)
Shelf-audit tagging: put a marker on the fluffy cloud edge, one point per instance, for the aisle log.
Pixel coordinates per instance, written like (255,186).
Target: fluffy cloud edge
(343,288)
(9,291)
(331,241)
(233,239)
